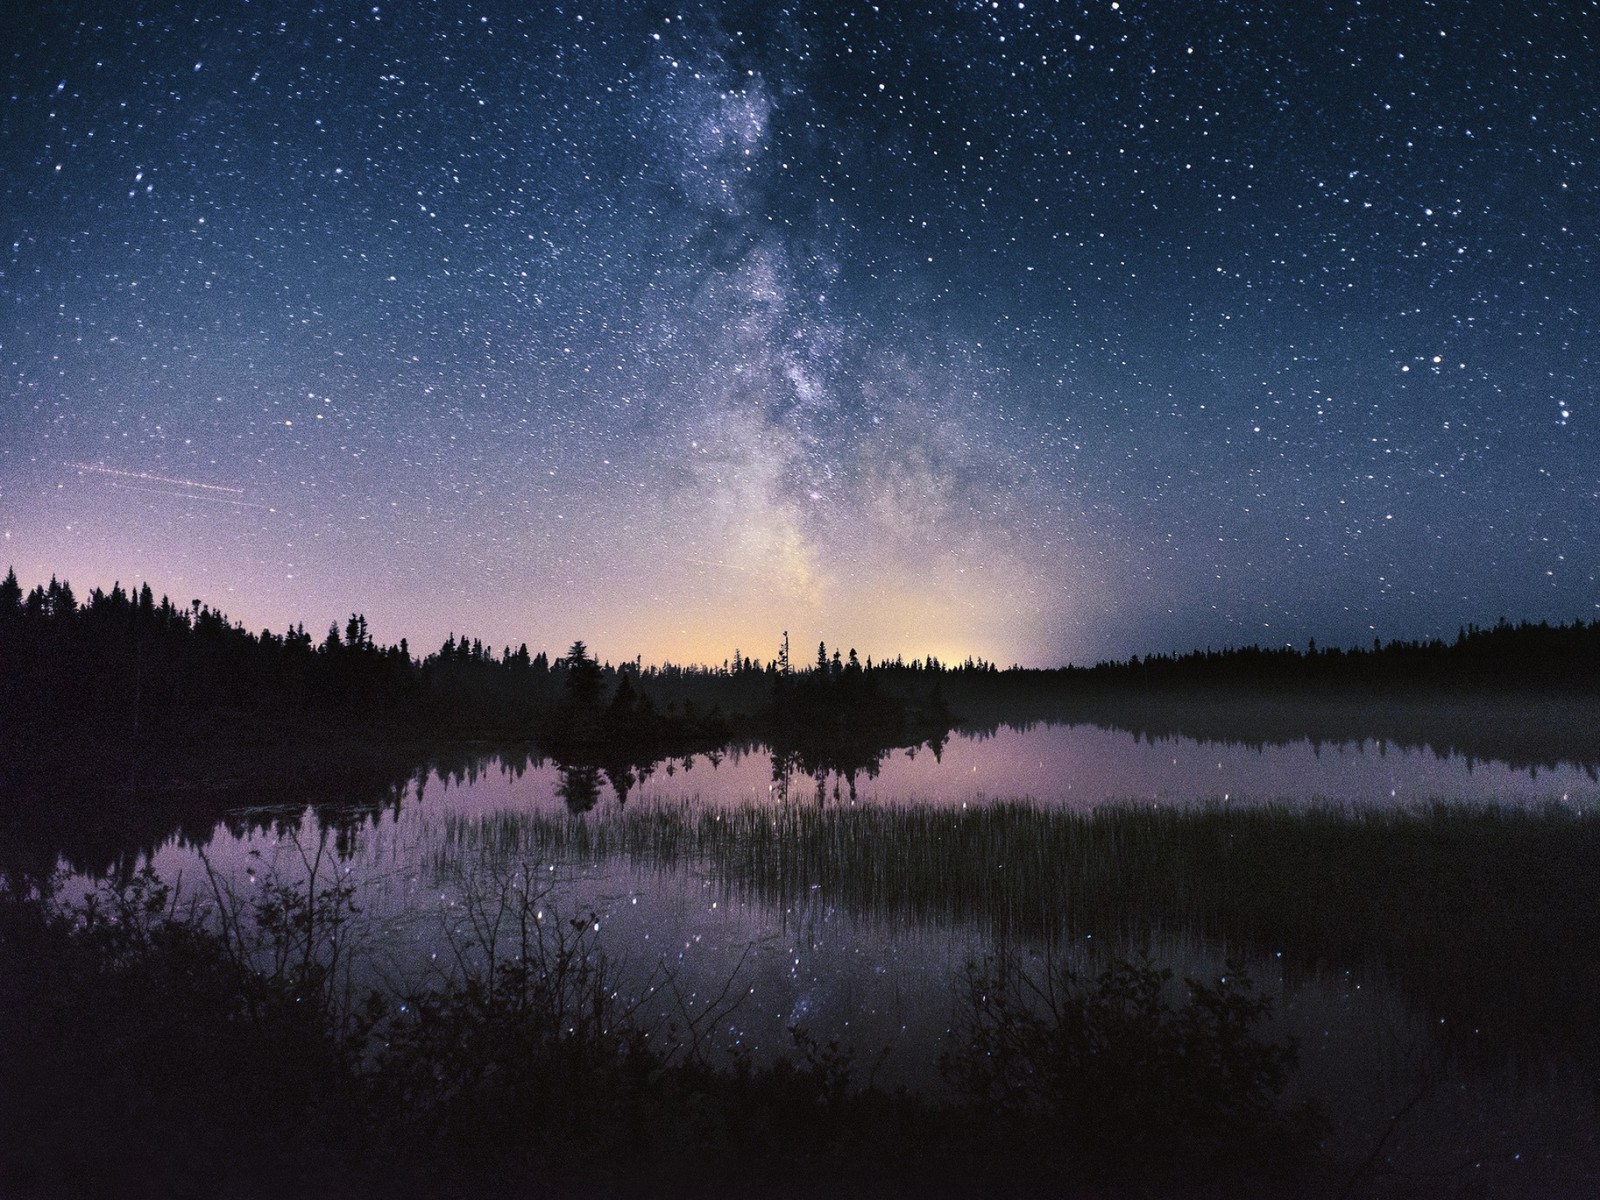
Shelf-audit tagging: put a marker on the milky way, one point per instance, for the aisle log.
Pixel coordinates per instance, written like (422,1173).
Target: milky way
(1029,331)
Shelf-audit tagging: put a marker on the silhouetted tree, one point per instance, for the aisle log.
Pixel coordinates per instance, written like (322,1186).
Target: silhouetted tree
(10,596)
(583,678)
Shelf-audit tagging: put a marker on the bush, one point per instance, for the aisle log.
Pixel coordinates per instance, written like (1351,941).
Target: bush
(142,1060)
(221,1048)
(1123,1081)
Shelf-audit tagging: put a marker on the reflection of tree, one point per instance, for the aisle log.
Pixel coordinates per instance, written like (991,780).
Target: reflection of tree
(1529,733)
(343,798)
(617,766)
(579,786)
(840,763)
(620,776)
(781,769)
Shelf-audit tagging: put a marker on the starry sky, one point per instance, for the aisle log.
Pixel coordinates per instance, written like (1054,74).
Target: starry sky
(1037,332)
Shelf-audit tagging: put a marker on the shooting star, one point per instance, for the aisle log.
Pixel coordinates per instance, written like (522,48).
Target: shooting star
(144,477)
(189,489)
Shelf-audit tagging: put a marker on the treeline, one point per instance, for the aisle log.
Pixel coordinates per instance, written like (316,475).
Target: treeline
(122,668)
(1527,657)
(125,666)
(119,669)
(1504,661)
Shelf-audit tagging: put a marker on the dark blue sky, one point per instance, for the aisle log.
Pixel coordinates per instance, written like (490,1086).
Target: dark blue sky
(1032,331)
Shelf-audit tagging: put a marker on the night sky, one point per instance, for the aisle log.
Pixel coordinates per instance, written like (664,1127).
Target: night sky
(1030,331)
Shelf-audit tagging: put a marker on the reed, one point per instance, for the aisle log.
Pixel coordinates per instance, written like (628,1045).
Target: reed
(1481,914)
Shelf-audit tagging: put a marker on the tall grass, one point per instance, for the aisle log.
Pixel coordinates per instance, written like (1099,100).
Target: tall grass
(1483,915)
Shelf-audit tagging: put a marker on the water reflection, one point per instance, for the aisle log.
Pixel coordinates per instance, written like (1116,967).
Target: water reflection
(579,786)
(1170,754)
(850,888)
(1082,766)
(853,888)
(836,771)
(1530,734)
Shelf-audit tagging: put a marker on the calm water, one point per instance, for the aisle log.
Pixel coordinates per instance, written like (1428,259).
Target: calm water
(1082,766)
(888,982)
(1075,766)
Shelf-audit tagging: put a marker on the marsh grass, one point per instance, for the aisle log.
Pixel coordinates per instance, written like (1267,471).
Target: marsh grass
(1481,914)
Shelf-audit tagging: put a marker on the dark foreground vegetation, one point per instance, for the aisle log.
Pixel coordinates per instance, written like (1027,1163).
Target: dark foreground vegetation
(159,1048)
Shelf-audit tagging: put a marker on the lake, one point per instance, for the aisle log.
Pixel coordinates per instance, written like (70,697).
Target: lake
(747,900)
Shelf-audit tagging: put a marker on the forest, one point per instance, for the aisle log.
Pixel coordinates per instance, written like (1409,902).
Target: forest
(87,684)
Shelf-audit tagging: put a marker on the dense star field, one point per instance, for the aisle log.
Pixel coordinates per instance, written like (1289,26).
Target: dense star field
(1031,331)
